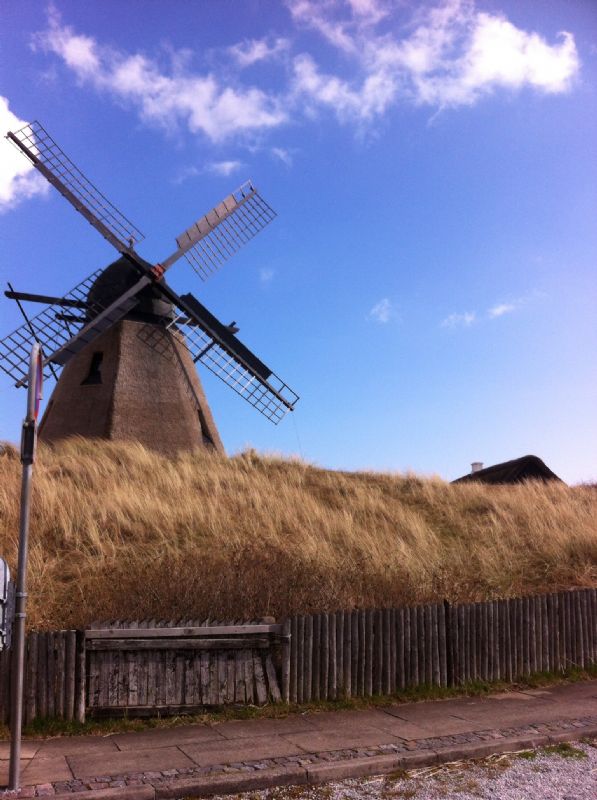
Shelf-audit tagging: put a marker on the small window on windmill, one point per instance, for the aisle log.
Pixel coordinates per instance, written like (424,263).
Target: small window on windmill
(94,376)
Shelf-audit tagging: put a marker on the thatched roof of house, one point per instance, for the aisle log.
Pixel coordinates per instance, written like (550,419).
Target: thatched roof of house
(515,471)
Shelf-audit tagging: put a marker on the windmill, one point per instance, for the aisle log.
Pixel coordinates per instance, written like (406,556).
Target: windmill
(122,344)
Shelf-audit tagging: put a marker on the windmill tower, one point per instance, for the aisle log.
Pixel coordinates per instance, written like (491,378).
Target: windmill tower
(122,344)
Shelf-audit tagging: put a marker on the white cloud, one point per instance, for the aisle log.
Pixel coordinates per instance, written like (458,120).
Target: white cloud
(500,309)
(445,56)
(18,178)
(454,56)
(223,168)
(382,312)
(283,155)
(459,320)
(251,51)
(163,97)
(266,276)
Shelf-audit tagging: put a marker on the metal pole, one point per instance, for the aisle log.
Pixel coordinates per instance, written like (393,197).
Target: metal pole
(28,442)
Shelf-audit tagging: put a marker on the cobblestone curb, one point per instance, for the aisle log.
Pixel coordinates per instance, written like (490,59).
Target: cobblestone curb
(235,777)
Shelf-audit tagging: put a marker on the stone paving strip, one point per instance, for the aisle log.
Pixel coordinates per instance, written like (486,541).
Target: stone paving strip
(307,768)
(232,757)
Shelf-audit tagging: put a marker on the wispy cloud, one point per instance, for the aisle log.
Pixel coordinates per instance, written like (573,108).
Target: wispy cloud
(18,178)
(283,155)
(500,309)
(459,320)
(453,56)
(223,168)
(252,51)
(266,276)
(382,312)
(448,55)
(163,97)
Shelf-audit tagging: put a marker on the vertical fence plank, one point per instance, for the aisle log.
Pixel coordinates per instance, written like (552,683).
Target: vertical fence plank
(592,612)
(504,639)
(387,651)
(552,627)
(539,633)
(317,690)
(308,676)
(427,616)
(30,678)
(496,641)
(369,653)
(332,678)
(80,676)
(357,660)
(357,646)
(402,648)
(293,658)
(347,657)
(477,634)
(436,673)
(461,645)
(584,596)
(360,667)
(421,655)
(378,651)
(455,644)
(340,654)
(532,634)
(70,669)
(325,654)
(441,644)
(562,652)
(286,656)
(519,618)
(393,612)
(578,627)
(467,642)
(568,631)
(301,659)
(413,647)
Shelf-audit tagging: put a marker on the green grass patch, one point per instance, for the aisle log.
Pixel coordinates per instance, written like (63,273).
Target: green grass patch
(565,750)
(527,755)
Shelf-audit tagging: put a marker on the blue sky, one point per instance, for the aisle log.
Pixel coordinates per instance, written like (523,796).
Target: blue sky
(428,287)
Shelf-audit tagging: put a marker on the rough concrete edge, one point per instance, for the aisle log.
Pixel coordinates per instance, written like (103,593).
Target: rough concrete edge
(233,784)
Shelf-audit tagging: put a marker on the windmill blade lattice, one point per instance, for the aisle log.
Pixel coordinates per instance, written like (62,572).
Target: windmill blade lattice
(36,143)
(217,236)
(213,345)
(273,398)
(49,328)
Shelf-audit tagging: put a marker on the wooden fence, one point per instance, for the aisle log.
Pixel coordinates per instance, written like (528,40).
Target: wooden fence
(55,677)
(166,667)
(363,653)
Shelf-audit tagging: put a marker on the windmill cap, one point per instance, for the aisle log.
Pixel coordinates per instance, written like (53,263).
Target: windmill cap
(115,280)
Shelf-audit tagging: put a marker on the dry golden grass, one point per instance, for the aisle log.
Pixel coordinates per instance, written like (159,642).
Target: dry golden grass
(119,532)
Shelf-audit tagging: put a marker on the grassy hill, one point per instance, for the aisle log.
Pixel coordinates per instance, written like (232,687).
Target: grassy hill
(119,532)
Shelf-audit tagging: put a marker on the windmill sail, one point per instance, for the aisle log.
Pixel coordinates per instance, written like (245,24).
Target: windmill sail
(46,156)
(212,344)
(48,328)
(217,236)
